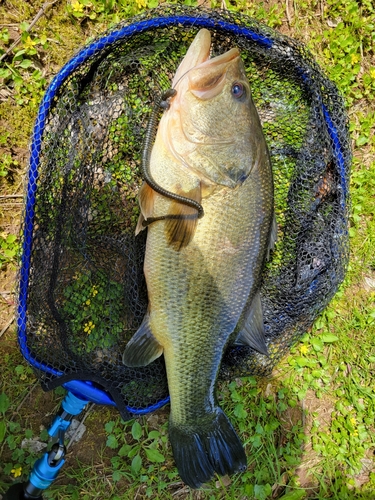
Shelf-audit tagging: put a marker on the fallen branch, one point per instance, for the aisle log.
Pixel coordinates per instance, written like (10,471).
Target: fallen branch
(288,15)
(7,196)
(42,11)
(7,326)
(29,391)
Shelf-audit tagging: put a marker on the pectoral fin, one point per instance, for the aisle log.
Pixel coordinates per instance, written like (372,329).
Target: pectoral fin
(252,331)
(146,200)
(142,348)
(273,237)
(181,221)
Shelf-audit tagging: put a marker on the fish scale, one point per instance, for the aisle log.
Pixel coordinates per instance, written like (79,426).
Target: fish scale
(196,314)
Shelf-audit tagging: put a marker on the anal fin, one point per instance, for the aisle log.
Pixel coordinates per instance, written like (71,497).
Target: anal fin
(252,331)
(181,220)
(142,348)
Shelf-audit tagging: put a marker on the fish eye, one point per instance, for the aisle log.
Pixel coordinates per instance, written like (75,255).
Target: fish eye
(238,90)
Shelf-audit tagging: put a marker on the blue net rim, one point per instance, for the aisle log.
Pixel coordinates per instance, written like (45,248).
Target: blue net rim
(86,389)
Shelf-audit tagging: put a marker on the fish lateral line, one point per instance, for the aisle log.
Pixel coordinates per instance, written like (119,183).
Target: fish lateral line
(162,102)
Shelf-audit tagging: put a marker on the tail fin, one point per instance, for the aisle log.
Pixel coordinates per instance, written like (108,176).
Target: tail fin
(213,447)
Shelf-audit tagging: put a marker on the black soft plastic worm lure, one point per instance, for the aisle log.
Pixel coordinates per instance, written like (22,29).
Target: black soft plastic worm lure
(162,102)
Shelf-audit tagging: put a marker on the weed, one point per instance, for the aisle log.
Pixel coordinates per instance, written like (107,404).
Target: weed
(14,437)
(8,165)
(9,248)
(85,297)
(140,454)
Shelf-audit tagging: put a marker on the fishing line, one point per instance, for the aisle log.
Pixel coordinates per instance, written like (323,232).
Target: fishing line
(162,102)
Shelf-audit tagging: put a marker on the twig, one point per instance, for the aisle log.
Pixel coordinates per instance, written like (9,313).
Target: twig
(7,196)
(224,5)
(42,11)
(288,16)
(89,410)
(29,391)
(7,326)
(304,411)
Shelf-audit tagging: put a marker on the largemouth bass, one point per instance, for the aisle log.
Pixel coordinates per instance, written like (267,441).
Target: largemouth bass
(203,274)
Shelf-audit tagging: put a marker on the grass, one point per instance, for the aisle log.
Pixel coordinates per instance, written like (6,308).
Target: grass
(308,429)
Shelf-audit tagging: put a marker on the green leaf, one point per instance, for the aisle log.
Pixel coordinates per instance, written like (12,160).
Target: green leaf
(116,476)
(362,140)
(259,429)
(136,431)
(240,411)
(136,464)
(44,436)
(154,435)
(9,253)
(329,338)
(294,495)
(109,426)
(24,26)
(19,369)
(301,394)
(262,491)
(256,440)
(5,73)
(317,344)
(3,429)
(133,451)
(26,63)
(124,450)
(154,455)
(4,403)
(301,361)
(17,55)
(112,442)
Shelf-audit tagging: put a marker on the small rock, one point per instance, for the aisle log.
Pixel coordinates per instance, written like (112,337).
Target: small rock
(269,391)
(153,421)
(369,284)
(332,23)
(367,465)
(224,481)
(33,445)
(77,430)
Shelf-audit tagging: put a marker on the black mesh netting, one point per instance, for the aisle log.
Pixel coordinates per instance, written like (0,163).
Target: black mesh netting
(86,294)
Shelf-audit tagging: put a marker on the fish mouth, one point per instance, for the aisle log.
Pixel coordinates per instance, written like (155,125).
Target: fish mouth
(198,52)
(207,79)
(202,71)
(225,58)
